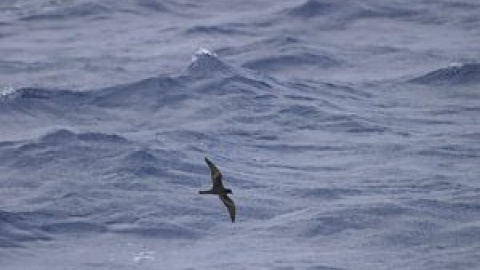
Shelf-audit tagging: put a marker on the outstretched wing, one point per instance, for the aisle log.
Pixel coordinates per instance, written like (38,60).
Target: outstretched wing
(216,174)
(229,204)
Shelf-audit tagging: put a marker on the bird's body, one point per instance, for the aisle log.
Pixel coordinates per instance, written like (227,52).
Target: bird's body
(219,189)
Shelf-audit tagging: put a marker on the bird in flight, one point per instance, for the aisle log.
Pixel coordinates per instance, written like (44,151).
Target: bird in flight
(219,189)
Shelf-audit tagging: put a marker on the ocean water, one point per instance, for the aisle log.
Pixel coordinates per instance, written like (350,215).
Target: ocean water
(349,132)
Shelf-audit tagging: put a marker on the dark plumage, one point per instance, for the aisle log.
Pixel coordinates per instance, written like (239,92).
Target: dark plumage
(219,189)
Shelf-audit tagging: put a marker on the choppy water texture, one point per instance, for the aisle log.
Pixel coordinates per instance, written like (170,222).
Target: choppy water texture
(349,132)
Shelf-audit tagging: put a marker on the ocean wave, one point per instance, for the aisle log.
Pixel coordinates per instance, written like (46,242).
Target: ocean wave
(65,10)
(33,158)
(312,118)
(205,62)
(312,223)
(143,156)
(202,91)
(340,14)
(454,75)
(155,5)
(17,228)
(447,210)
(314,8)
(144,163)
(363,218)
(65,135)
(451,151)
(31,93)
(289,61)
(72,227)
(225,30)
(159,230)
(148,93)
(326,193)
(206,75)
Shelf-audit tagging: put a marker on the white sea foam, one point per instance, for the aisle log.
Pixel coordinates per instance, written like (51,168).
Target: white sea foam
(144,256)
(456,65)
(6,91)
(201,53)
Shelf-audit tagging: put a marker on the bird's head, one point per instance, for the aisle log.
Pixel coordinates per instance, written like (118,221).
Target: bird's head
(228,191)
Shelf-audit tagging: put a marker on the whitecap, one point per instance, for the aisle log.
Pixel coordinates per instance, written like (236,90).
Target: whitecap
(144,256)
(6,91)
(201,53)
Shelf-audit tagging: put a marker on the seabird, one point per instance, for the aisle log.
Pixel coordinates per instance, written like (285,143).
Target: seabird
(219,189)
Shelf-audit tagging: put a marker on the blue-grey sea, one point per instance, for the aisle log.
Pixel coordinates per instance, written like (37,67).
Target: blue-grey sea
(348,130)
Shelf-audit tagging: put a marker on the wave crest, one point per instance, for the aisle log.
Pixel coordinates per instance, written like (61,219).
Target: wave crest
(455,74)
(205,62)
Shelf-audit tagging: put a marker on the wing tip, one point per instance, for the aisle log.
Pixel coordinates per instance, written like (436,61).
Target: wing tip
(207,160)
